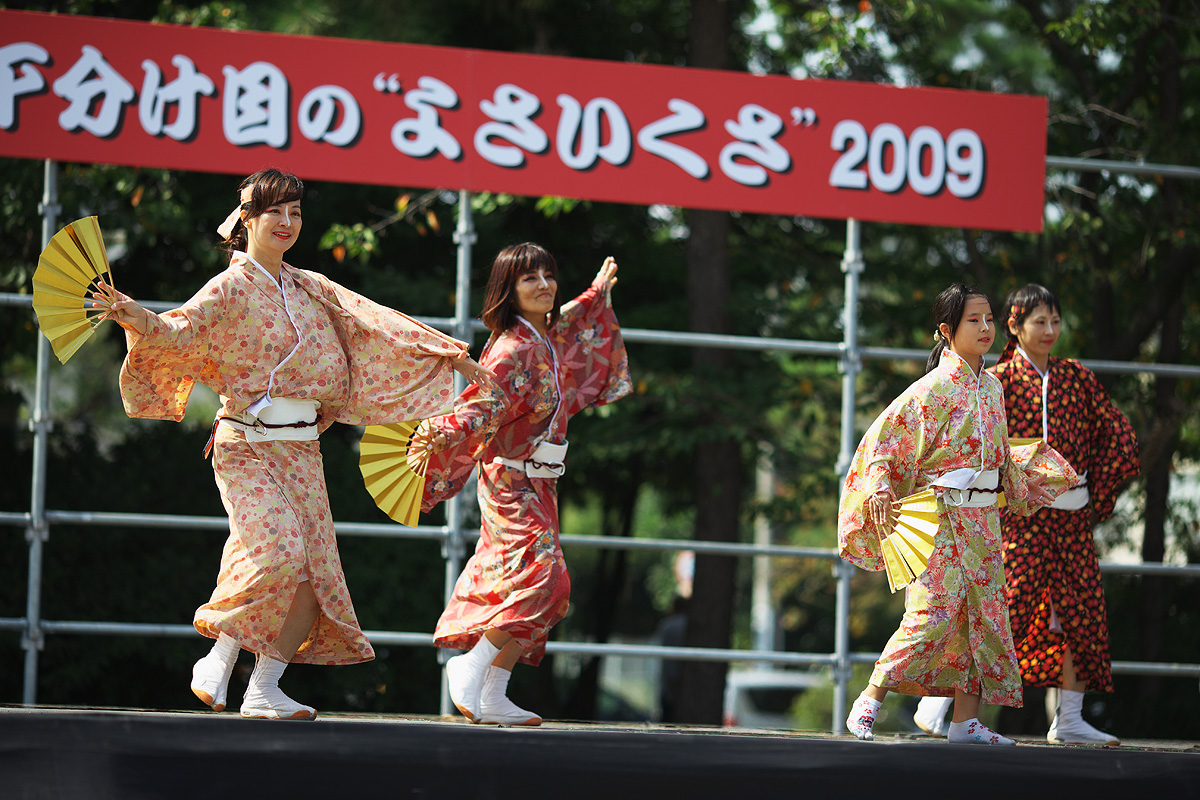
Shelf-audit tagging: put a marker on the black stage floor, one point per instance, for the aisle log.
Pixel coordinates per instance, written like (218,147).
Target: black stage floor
(80,754)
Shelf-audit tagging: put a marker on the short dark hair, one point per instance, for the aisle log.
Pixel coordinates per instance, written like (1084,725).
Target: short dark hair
(1021,303)
(948,307)
(271,188)
(500,310)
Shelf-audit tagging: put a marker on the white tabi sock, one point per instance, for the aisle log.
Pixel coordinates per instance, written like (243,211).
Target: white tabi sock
(931,714)
(464,676)
(494,706)
(1069,727)
(210,675)
(265,700)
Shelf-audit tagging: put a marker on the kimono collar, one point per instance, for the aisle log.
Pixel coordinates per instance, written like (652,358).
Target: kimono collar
(1025,355)
(958,368)
(240,257)
(529,326)
(1010,351)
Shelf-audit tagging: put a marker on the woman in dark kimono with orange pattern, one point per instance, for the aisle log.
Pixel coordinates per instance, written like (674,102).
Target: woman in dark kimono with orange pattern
(1055,598)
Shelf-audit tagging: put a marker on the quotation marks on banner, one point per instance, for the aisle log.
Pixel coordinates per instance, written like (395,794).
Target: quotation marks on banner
(388,83)
(804,116)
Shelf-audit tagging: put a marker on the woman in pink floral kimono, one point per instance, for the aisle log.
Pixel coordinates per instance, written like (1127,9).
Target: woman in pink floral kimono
(289,352)
(946,431)
(551,364)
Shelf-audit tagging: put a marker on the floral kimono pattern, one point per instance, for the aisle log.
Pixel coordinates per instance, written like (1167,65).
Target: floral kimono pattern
(955,630)
(1055,597)
(246,337)
(517,580)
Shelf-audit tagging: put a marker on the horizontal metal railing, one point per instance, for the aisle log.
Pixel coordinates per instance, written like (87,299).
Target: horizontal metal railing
(441,533)
(733,342)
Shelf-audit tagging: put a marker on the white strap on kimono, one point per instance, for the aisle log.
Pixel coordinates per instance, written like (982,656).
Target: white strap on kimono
(970,488)
(966,486)
(274,419)
(1074,498)
(266,400)
(546,461)
(285,419)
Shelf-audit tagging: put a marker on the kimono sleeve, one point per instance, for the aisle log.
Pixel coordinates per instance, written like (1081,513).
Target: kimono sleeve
(588,341)
(400,369)
(477,416)
(164,364)
(888,458)
(1027,461)
(1114,449)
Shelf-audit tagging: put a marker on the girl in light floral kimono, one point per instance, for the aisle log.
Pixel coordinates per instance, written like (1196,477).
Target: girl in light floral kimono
(289,352)
(550,363)
(946,431)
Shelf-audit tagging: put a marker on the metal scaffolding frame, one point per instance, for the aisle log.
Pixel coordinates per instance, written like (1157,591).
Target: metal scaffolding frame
(455,538)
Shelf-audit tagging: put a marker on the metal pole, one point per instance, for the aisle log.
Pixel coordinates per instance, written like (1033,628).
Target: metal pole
(454,548)
(851,365)
(762,612)
(38,531)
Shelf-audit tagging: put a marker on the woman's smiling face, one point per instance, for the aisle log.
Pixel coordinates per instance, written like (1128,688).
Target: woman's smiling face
(536,292)
(275,230)
(1039,331)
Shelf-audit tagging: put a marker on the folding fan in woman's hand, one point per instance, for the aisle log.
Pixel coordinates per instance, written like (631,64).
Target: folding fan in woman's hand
(394,469)
(67,273)
(907,548)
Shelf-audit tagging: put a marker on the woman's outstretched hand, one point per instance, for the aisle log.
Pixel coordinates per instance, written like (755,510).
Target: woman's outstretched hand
(475,372)
(120,308)
(425,442)
(606,278)
(1038,496)
(879,512)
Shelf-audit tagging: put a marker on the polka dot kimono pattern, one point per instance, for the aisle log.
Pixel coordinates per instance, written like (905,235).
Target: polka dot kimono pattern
(363,363)
(1050,557)
(517,579)
(955,630)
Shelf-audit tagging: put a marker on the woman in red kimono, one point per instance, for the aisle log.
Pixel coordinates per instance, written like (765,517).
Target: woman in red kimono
(550,363)
(289,352)
(1055,598)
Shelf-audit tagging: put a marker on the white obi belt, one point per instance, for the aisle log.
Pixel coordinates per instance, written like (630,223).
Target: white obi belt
(969,488)
(547,460)
(281,419)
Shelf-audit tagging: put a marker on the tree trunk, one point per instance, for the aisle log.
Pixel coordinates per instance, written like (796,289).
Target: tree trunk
(1168,413)
(717,477)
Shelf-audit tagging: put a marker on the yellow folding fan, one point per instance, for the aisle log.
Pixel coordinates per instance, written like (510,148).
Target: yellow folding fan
(394,470)
(907,548)
(67,273)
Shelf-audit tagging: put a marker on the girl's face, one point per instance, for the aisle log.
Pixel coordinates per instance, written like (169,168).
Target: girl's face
(275,230)
(535,294)
(975,333)
(1038,332)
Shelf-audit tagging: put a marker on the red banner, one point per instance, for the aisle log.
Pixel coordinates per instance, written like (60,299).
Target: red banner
(84,89)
